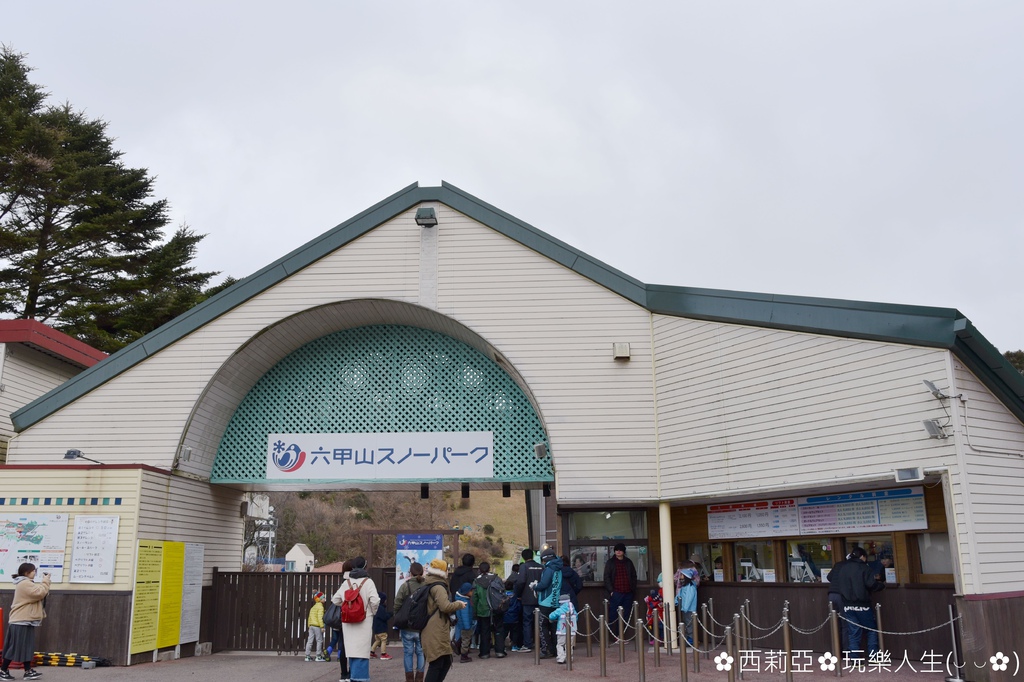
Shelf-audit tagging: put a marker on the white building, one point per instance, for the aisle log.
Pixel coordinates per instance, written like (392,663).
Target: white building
(732,425)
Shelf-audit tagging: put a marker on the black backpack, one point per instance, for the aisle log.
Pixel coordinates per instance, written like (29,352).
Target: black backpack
(412,615)
(332,616)
(497,598)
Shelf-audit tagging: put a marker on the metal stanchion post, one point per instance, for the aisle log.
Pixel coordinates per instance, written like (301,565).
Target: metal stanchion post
(955,677)
(666,629)
(707,634)
(835,637)
(787,644)
(881,636)
(607,620)
(536,636)
(622,637)
(728,650)
(683,670)
(657,645)
(587,613)
(569,639)
(741,634)
(641,655)
(746,625)
(736,642)
(696,654)
(602,639)
(638,642)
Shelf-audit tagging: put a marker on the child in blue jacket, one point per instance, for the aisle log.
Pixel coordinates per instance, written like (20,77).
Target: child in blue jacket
(465,620)
(565,619)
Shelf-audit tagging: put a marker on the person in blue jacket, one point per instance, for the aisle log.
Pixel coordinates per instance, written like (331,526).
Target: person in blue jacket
(572,584)
(548,589)
(465,620)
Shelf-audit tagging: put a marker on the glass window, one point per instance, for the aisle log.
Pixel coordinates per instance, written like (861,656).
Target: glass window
(874,545)
(704,554)
(593,536)
(935,554)
(753,558)
(806,557)
(608,525)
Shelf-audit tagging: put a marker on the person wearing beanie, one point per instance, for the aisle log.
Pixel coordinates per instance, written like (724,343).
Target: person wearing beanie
(529,573)
(358,636)
(564,618)
(437,645)
(619,583)
(315,621)
(548,588)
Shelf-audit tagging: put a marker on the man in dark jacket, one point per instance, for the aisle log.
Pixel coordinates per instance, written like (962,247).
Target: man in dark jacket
(620,584)
(465,573)
(572,584)
(855,582)
(529,572)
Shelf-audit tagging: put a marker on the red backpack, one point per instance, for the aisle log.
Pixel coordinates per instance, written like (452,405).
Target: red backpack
(353,610)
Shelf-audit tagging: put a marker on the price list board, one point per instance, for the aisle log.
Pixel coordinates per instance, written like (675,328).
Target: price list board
(765,518)
(94,549)
(875,510)
(863,512)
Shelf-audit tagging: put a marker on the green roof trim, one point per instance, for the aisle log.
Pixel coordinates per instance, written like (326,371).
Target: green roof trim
(913,325)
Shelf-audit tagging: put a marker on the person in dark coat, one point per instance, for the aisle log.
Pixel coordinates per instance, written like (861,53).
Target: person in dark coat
(855,581)
(572,583)
(529,572)
(619,583)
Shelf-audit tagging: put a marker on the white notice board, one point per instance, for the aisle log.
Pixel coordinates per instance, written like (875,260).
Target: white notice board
(94,549)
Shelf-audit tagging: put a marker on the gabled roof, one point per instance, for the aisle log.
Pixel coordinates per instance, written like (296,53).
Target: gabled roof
(913,325)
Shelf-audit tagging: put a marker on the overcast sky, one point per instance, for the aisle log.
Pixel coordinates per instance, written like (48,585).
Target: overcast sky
(858,150)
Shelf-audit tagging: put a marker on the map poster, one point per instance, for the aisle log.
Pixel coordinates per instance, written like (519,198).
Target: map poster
(146,608)
(94,549)
(39,539)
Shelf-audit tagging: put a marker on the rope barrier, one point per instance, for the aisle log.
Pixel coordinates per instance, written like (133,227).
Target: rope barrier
(812,631)
(770,627)
(886,632)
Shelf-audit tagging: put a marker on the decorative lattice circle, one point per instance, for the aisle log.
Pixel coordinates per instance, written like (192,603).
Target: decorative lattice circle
(384,379)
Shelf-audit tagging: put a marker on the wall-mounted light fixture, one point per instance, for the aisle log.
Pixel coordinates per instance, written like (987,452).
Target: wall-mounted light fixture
(426,217)
(424,491)
(506,490)
(77,454)
(908,475)
(540,450)
(620,351)
(465,491)
(934,429)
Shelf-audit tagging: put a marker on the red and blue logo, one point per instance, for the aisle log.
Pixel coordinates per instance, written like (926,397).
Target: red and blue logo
(288,458)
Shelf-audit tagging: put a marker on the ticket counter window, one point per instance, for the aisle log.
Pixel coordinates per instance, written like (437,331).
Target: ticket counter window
(755,561)
(874,545)
(703,554)
(593,536)
(807,557)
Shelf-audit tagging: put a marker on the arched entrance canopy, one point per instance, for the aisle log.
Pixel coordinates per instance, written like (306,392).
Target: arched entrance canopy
(368,367)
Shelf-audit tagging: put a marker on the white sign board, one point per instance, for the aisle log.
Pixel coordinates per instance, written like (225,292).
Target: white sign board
(39,539)
(192,592)
(380,456)
(94,549)
(861,512)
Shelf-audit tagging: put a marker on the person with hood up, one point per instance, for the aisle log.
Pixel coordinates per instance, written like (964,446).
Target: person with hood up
(26,615)
(548,588)
(358,636)
(564,618)
(687,580)
(463,574)
(465,622)
(437,646)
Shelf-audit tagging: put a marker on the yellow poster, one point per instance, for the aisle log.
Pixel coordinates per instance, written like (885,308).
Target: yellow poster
(145,610)
(172,582)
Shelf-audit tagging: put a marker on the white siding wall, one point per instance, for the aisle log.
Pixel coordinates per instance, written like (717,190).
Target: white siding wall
(993,445)
(179,509)
(81,482)
(738,402)
(26,374)
(557,328)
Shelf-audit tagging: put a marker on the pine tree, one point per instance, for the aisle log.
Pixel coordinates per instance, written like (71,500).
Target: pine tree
(81,237)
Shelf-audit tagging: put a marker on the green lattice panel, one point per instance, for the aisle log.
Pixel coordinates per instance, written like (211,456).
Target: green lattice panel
(384,379)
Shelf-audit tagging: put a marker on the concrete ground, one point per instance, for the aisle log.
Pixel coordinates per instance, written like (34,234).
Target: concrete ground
(516,667)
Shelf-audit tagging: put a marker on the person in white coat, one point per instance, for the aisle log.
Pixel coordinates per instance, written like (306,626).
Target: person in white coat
(358,635)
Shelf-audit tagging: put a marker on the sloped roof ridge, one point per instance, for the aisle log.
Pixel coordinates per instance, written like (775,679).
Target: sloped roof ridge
(914,325)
